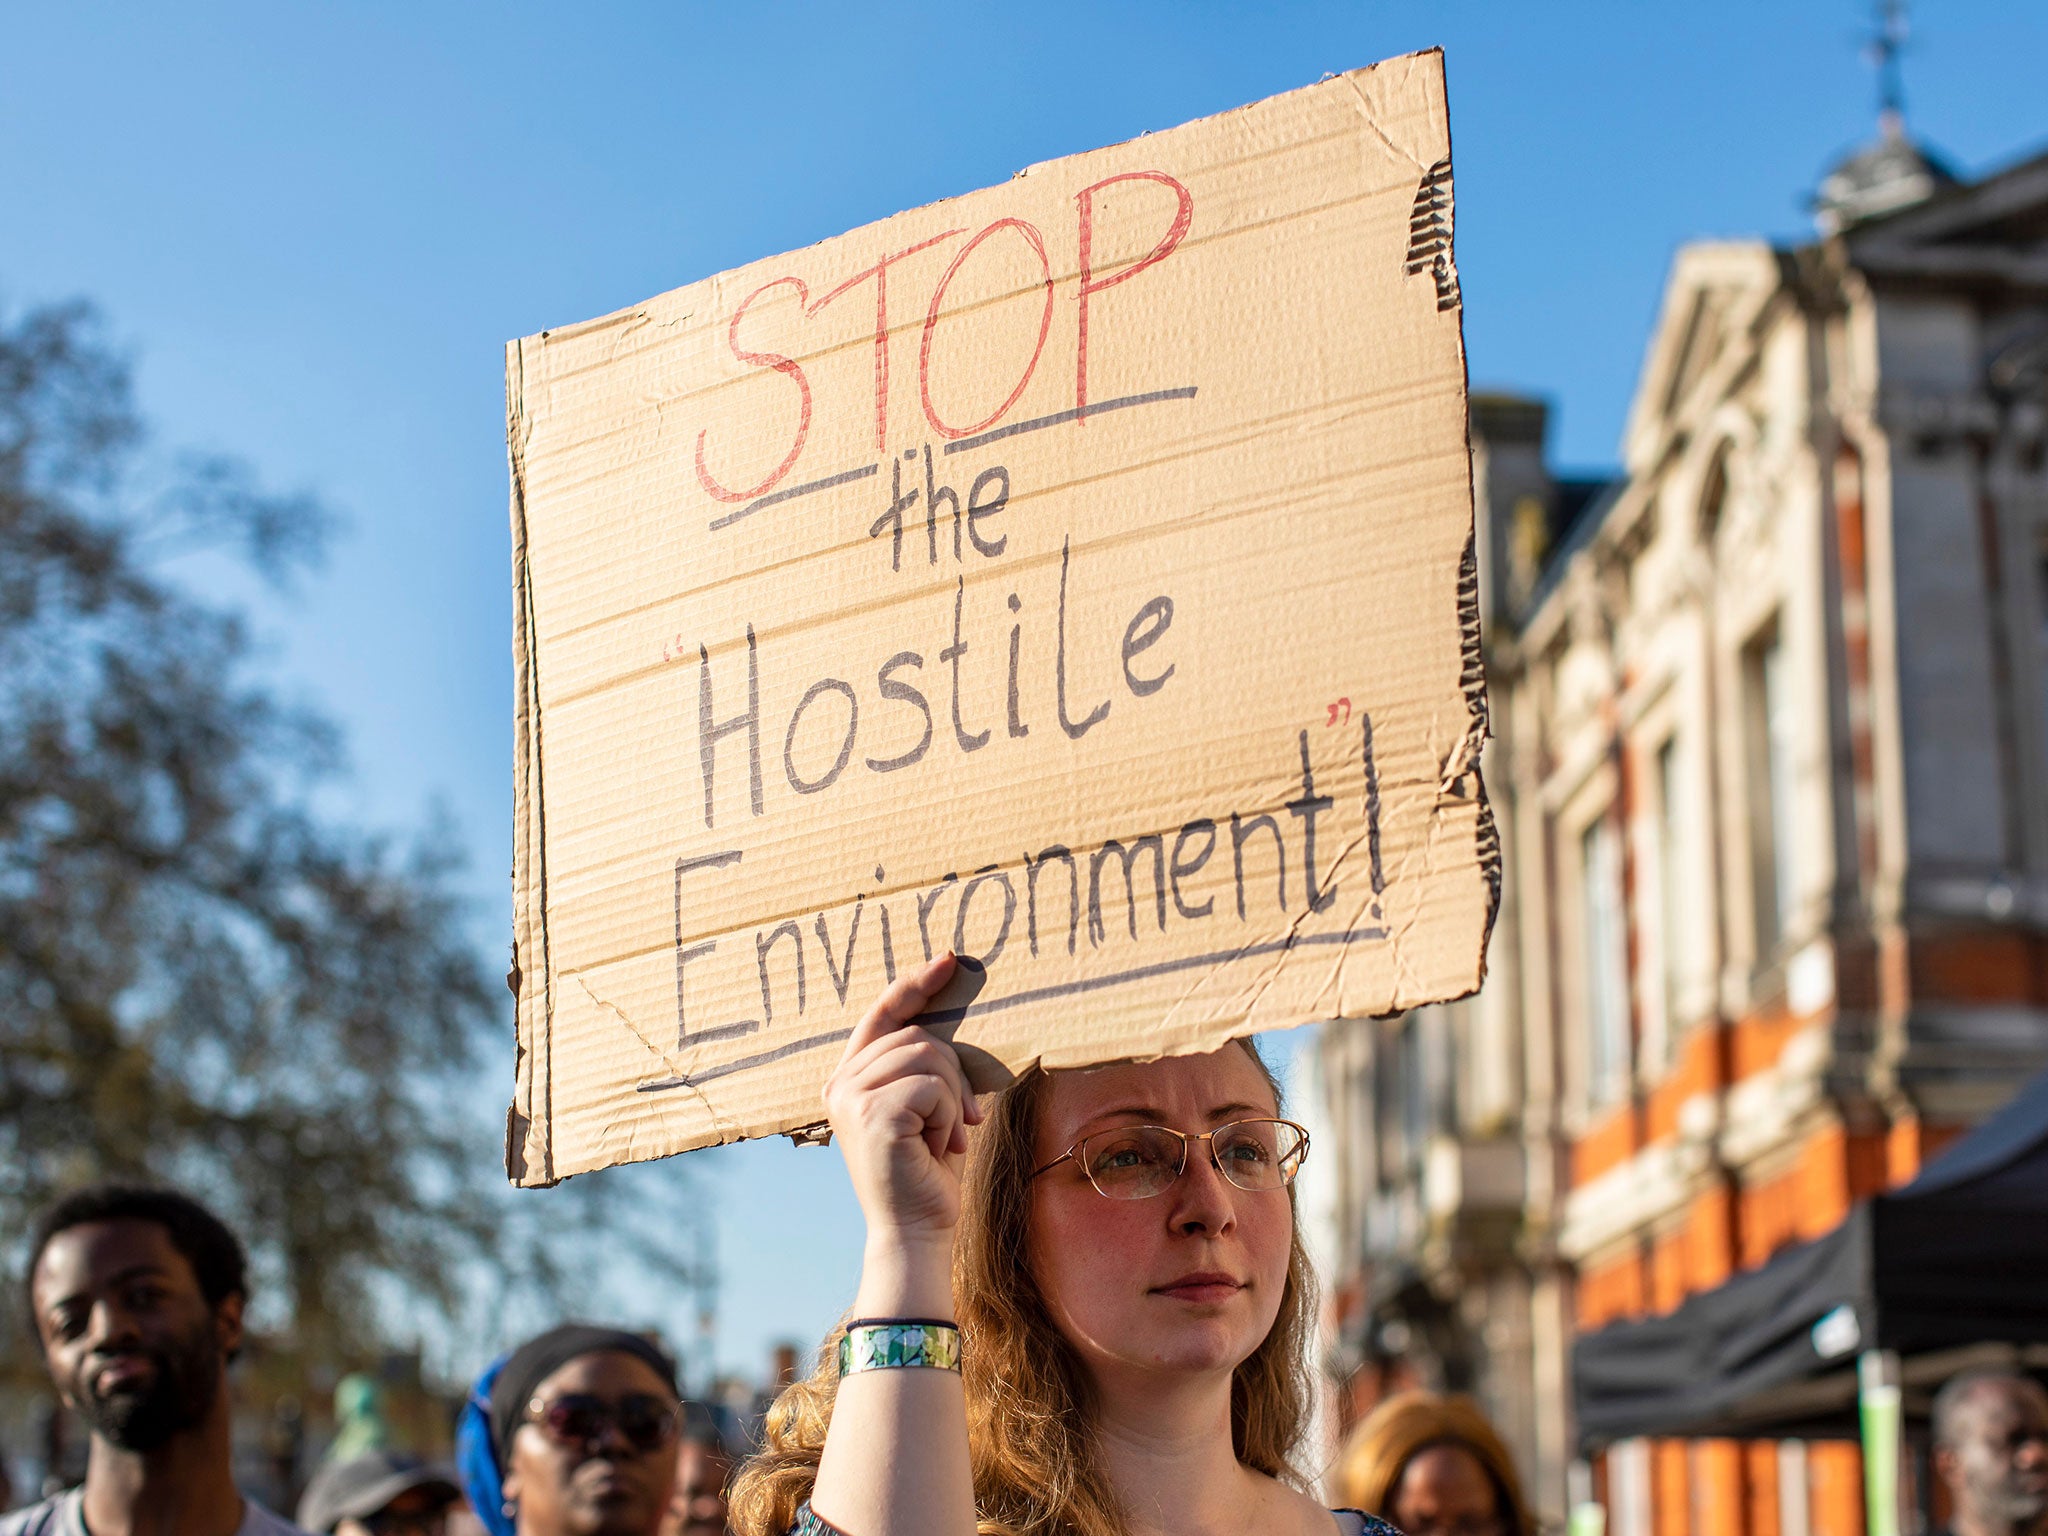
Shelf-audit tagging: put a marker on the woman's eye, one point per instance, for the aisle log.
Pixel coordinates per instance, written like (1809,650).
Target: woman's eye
(1120,1157)
(1245,1152)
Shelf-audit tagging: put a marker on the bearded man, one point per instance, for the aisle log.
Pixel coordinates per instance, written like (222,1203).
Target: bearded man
(136,1297)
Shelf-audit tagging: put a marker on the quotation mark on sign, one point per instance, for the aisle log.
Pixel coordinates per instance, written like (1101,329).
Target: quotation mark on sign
(1345,705)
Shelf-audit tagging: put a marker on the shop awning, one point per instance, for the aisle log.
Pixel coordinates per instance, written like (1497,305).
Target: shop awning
(1954,1261)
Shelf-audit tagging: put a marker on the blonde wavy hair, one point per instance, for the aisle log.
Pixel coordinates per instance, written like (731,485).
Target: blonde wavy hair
(1408,1423)
(1030,1407)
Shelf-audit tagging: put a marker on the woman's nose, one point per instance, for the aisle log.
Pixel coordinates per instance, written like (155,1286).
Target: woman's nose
(1202,1197)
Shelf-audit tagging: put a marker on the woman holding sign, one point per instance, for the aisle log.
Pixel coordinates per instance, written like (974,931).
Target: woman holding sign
(1088,1318)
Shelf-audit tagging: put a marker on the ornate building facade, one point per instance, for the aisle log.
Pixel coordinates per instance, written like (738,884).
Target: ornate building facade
(1771,766)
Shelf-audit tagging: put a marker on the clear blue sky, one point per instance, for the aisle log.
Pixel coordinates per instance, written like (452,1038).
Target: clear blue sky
(316,225)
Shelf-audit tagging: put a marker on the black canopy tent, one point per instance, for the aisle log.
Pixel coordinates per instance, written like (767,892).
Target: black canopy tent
(1934,1272)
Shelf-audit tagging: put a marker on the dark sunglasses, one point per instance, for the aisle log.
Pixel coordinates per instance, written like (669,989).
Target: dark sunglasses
(645,1422)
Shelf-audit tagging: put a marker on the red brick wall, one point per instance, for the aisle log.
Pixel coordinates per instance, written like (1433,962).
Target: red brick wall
(1731,1488)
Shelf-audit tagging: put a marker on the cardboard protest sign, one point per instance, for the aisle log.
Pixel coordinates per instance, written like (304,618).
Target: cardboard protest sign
(1077,574)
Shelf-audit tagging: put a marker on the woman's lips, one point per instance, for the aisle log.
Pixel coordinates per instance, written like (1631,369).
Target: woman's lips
(1205,1286)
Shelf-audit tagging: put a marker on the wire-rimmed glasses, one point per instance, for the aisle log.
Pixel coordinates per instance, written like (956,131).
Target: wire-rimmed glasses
(1136,1162)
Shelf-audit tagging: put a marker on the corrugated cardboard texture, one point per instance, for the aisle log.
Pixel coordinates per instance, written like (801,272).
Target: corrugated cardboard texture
(1077,574)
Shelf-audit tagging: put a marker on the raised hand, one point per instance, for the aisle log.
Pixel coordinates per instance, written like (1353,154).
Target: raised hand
(900,1106)
(895,1461)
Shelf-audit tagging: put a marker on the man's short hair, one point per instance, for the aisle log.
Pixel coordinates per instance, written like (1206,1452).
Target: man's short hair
(215,1253)
(1956,1393)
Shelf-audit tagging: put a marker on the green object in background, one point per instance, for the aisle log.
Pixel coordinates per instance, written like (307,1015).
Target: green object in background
(359,1418)
(1587,1519)
(1878,1400)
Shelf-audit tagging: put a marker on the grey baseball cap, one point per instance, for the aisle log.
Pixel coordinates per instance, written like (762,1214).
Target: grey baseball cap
(361,1486)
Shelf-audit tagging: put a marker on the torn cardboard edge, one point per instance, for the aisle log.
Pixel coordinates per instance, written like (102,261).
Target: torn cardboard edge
(1187,444)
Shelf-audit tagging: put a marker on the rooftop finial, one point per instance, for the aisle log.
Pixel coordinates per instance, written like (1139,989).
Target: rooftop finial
(1887,42)
(1893,173)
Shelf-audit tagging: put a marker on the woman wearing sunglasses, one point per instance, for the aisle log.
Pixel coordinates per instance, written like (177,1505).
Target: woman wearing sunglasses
(581,1436)
(1089,1318)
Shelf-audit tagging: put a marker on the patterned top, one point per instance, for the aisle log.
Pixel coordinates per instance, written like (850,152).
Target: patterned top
(1354,1522)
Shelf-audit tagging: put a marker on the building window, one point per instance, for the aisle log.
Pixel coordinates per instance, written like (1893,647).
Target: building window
(1402,1102)
(1390,1073)
(2041,635)
(1677,918)
(1714,497)
(1604,962)
(1768,728)
(1448,1053)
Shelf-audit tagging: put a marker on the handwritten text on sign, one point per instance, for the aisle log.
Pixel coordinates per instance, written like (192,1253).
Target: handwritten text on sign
(1135,659)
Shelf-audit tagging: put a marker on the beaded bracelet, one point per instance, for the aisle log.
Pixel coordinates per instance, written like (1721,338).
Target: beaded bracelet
(897,1343)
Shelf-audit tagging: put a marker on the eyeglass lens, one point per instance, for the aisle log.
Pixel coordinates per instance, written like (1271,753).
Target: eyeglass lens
(644,1422)
(1138,1161)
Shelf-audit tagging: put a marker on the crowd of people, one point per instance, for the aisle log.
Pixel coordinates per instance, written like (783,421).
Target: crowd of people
(1084,1310)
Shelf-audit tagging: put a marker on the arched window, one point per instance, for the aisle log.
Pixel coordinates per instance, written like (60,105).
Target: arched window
(1714,495)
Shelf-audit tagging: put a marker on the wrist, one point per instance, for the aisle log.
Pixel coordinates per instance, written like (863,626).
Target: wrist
(906,1275)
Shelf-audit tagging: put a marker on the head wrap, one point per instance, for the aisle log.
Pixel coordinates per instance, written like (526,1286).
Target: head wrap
(537,1359)
(476,1454)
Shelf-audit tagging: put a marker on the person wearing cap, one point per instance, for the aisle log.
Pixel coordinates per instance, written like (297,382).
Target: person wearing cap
(575,1435)
(1431,1464)
(379,1494)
